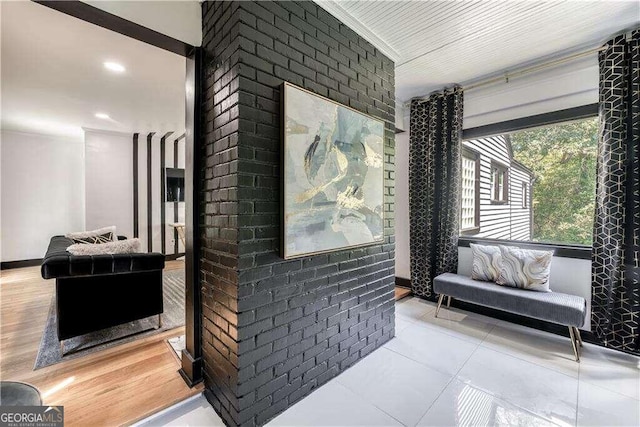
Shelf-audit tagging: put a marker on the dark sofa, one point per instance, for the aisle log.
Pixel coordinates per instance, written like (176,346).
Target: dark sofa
(101,291)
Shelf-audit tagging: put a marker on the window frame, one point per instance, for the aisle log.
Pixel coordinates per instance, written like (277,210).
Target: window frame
(525,195)
(504,171)
(582,112)
(474,155)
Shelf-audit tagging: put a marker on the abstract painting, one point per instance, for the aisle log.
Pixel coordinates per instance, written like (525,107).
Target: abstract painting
(333,175)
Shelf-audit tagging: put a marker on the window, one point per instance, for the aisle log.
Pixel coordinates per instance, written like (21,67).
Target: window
(470,192)
(535,184)
(499,183)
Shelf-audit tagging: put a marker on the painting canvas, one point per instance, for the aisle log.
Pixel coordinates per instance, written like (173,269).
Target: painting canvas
(333,167)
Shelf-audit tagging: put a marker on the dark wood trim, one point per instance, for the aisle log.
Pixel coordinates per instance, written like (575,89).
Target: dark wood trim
(546,119)
(560,250)
(149,193)
(120,25)
(191,369)
(7,265)
(403,283)
(136,230)
(175,204)
(173,257)
(163,206)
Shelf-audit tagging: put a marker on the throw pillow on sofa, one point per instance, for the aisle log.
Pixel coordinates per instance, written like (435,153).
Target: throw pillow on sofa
(525,268)
(487,262)
(101,235)
(129,246)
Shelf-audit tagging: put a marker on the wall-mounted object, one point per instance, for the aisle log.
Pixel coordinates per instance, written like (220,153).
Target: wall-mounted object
(175,185)
(333,175)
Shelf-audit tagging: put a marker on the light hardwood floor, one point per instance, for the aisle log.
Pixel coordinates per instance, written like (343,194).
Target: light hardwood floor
(117,386)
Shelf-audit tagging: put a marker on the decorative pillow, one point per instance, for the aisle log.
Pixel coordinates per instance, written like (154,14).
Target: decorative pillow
(101,235)
(129,246)
(525,268)
(487,262)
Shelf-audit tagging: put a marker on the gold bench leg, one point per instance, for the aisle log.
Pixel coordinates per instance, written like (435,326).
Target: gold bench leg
(62,347)
(574,344)
(159,321)
(448,301)
(578,336)
(440,299)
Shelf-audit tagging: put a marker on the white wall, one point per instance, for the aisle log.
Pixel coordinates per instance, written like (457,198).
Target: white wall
(180,19)
(402,205)
(109,180)
(42,192)
(571,85)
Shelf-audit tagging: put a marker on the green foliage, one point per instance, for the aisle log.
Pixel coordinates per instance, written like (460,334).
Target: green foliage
(563,159)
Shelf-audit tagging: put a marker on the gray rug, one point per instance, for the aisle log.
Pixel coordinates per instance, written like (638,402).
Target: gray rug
(172,317)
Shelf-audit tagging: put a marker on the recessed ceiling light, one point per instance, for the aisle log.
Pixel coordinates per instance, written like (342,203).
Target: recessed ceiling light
(102,116)
(115,67)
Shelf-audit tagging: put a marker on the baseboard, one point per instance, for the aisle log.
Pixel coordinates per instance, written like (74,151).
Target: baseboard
(402,282)
(173,257)
(6,265)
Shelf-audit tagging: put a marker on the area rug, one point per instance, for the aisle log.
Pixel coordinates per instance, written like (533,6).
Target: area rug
(173,316)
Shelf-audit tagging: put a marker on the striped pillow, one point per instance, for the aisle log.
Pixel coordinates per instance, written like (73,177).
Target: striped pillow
(525,268)
(101,235)
(487,262)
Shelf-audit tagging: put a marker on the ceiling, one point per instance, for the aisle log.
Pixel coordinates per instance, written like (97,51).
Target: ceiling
(438,43)
(54,80)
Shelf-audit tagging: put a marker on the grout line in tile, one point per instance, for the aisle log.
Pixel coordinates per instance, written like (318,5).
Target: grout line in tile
(474,340)
(367,400)
(497,350)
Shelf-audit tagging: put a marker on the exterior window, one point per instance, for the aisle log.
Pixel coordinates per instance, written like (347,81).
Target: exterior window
(535,185)
(470,192)
(499,184)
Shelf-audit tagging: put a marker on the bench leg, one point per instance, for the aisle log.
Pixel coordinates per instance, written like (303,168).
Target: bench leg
(440,299)
(574,344)
(62,347)
(448,301)
(578,336)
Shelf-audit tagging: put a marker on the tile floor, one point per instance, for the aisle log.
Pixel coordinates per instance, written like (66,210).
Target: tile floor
(462,369)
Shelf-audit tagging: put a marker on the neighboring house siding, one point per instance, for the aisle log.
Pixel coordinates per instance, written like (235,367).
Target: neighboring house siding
(508,220)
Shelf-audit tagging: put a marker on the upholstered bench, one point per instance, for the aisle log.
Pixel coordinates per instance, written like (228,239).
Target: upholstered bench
(563,309)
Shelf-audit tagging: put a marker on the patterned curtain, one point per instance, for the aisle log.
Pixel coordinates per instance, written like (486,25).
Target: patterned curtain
(434,180)
(616,240)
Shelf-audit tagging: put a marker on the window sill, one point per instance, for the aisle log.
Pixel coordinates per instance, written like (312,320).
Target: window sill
(499,202)
(560,250)
(469,231)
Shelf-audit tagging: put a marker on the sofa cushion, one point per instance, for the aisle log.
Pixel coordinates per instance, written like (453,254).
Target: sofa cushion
(128,246)
(100,235)
(487,262)
(525,268)
(564,309)
(59,263)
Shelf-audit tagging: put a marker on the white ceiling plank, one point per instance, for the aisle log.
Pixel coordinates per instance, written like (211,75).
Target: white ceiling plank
(442,42)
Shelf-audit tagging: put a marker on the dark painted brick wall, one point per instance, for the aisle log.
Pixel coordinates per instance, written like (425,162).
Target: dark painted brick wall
(274,330)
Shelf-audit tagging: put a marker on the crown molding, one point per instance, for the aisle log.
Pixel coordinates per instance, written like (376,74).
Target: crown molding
(334,8)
